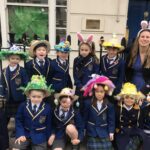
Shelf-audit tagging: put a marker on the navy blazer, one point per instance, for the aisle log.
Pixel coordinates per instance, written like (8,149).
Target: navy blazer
(59,125)
(99,123)
(33,68)
(59,75)
(115,71)
(38,126)
(19,79)
(82,72)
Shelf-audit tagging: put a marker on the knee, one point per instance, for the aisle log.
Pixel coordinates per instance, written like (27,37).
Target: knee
(70,128)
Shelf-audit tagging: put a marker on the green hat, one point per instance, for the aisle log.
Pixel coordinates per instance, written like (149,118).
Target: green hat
(14,50)
(37,83)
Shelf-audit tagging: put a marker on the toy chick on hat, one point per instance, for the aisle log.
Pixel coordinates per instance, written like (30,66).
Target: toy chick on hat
(129,89)
(97,79)
(63,46)
(37,82)
(36,44)
(14,50)
(65,92)
(113,42)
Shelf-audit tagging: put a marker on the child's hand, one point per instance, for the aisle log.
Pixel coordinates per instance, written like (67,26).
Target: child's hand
(75,141)
(20,139)
(82,89)
(51,139)
(111,136)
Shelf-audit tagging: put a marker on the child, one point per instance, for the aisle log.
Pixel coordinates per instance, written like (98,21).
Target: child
(4,140)
(33,119)
(127,118)
(85,64)
(59,70)
(145,123)
(13,77)
(112,65)
(40,64)
(67,122)
(99,114)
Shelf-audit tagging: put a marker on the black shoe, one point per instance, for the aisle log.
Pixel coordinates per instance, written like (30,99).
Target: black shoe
(75,147)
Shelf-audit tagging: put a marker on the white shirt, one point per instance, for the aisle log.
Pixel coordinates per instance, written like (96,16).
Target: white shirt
(38,105)
(12,68)
(99,105)
(127,108)
(112,59)
(61,111)
(62,61)
(38,61)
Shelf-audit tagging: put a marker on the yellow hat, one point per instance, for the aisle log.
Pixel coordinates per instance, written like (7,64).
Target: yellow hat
(129,89)
(34,43)
(114,42)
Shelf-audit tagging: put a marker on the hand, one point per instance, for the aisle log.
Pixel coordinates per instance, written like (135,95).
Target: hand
(75,141)
(51,139)
(20,139)
(82,89)
(111,136)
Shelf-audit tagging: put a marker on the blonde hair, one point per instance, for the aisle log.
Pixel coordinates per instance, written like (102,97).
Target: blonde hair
(134,53)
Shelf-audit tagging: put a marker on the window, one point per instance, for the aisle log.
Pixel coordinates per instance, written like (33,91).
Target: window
(30,1)
(61,2)
(92,24)
(28,23)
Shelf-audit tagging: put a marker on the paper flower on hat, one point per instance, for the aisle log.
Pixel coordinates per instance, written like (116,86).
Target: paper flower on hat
(145,25)
(109,86)
(38,83)
(63,46)
(113,42)
(14,50)
(66,92)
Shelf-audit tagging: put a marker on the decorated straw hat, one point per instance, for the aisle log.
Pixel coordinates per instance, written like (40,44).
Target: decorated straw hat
(129,89)
(66,92)
(14,50)
(35,43)
(63,47)
(113,42)
(97,79)
(37,83)
(145,26)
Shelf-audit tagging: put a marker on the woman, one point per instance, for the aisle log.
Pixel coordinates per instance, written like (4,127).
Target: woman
(138,61)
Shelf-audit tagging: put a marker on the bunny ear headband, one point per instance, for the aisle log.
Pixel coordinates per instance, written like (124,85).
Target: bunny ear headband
(82,40)
(145,25)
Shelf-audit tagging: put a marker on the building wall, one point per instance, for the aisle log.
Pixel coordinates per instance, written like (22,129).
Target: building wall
(111,13)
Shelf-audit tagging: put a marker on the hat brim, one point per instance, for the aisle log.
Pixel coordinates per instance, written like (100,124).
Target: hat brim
(109,44)
(58,95)
(5,54)
(32,47)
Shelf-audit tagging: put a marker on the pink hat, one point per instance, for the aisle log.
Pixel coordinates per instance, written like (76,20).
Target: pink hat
(97,79)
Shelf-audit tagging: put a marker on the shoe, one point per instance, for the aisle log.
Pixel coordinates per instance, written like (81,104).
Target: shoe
(75,147)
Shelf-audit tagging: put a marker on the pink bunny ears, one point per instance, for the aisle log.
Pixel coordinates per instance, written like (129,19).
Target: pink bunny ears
(82,40)
(145,25)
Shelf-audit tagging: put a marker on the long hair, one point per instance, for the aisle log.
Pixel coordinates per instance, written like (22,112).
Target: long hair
(134,53)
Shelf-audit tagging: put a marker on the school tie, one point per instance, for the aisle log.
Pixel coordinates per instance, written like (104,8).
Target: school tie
(110,60)
(64,63)
(62,116)
(34,109)
(41,63)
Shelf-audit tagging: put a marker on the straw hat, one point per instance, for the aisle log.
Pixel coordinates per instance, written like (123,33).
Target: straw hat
(34,43)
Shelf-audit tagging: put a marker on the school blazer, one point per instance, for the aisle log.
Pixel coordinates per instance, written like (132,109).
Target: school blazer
(36,127)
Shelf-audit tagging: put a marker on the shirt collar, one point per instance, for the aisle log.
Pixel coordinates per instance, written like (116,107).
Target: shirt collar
(37,60)
(12,68)
(127,108)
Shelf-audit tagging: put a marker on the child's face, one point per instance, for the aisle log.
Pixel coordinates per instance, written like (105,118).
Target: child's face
(14,60)
(129,101)
(112,52)
(148,98)
(65,103)
(41,53)
(84,50)
(99,93)
(36,96)
(62,55)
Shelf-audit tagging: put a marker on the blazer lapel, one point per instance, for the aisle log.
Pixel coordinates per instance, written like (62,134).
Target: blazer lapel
(47,61)
(104,107)
(114,63)
(70,115)
(59,65)
(6,77)
(36,66)
(17,72)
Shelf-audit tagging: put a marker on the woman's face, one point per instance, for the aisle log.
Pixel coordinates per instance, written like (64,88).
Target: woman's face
(99,93)
(144,39)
